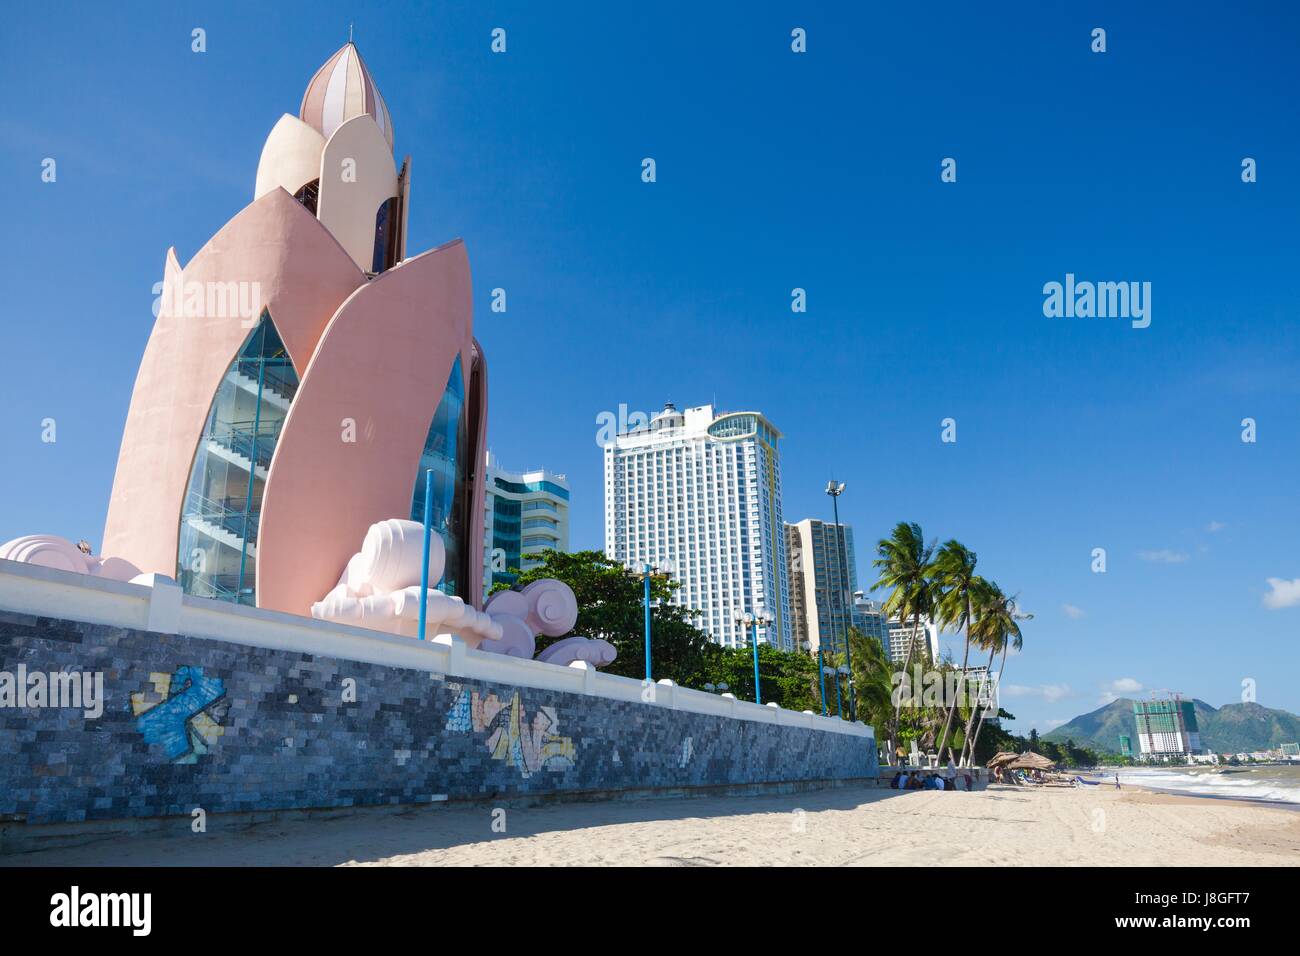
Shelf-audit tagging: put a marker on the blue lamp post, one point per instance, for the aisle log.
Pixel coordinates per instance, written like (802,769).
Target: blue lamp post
(424,565)
(753,621)
(647,570)
(647,623)
(821,672)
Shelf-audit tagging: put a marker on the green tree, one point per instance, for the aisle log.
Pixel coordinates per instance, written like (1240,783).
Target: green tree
(611,606)
(904,563)
(788,677)
(959,586)
(997,624)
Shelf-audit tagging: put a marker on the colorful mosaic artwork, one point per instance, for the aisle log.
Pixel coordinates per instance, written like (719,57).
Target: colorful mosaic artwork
(298,736)
(528,746)
(179,713)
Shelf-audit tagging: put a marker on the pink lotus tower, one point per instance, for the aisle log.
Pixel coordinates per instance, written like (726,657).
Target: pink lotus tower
(303,374)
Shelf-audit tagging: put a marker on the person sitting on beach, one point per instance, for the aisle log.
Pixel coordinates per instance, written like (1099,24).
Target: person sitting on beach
(899,781)
(914,781)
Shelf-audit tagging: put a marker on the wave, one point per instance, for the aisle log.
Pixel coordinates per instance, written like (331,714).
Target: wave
(1263,784)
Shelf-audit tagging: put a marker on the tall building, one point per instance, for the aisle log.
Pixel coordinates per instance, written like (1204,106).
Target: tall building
(525,514)
(304,374)
(699,495)
(869,618)
(821,584)
(924,637)
(1167,727)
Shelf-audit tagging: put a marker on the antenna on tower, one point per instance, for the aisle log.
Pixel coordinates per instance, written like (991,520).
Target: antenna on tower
(349,33)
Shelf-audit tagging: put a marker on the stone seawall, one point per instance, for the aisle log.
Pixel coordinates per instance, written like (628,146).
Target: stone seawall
(195,722)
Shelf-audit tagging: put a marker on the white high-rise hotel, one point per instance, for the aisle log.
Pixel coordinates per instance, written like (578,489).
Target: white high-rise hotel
(700,495)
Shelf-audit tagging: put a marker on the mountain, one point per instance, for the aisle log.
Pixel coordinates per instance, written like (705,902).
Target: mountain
(1100,729)
(1232,728)
(1237,727)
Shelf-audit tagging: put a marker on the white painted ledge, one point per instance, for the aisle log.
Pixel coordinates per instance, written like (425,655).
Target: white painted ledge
(163,609)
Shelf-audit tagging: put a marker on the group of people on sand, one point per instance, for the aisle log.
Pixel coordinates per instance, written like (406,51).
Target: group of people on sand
(1002,775)
(912,779)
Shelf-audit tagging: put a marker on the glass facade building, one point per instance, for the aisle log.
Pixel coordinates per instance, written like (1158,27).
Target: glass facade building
(444,455)
(526,513)
(217,553)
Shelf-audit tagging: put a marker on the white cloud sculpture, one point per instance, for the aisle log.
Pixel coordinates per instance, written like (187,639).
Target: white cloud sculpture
(380,589)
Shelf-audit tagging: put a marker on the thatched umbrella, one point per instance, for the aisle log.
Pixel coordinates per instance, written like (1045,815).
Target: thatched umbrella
(1000,758)
(1030,761)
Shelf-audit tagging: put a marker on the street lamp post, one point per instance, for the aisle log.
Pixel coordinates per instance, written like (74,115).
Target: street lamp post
(835,489)
(753,621)
(821,672)
(839,704)
(647,570)
(647,623)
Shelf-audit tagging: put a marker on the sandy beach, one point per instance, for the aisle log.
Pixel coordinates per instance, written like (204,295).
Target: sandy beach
(839,827)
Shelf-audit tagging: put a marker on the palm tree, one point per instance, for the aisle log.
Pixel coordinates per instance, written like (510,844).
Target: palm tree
(871,676)
(1010,615)
(959,586)
(905,568)
(985,634)
(994,623)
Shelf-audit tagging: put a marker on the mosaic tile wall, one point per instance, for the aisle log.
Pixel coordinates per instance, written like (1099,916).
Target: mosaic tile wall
(191,723)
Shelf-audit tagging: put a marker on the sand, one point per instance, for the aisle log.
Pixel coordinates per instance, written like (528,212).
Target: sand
(838,827)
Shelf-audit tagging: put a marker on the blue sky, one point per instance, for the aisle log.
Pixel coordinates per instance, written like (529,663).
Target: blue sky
(775,171)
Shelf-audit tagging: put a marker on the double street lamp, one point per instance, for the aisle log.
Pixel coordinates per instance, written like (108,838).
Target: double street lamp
(647,572)
(753,621)
(835,673)
(822,671)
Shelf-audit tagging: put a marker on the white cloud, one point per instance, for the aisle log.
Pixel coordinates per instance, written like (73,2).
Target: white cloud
(1214,526)
(1048,692)
(1284,593)
(1164,556)
(1118,688)
(1072,612)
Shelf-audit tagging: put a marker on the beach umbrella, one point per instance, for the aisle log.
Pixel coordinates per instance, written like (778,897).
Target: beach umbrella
(1030,761)
(1000,758)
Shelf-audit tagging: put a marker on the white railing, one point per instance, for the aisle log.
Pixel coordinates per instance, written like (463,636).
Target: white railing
(162,608)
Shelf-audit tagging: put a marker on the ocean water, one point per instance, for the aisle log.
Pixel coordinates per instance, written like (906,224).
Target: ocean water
(1269,784)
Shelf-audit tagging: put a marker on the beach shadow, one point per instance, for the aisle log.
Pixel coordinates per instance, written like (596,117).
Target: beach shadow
(372,835)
